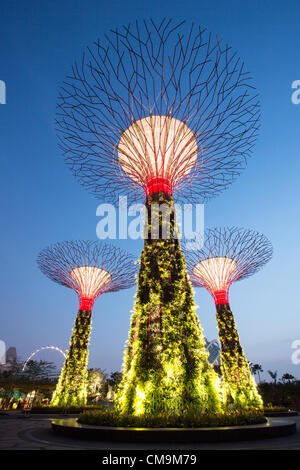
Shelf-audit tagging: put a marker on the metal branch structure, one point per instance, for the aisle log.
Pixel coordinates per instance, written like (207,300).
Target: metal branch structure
(88,267)
(91,269)
(228,255)
(157,107)
(160,111)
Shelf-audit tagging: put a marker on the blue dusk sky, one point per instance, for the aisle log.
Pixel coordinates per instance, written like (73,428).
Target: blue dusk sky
(42,203)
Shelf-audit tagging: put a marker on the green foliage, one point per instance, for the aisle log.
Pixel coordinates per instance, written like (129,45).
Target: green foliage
(238,385)
(165,367)
(39,370)
(281,394)
(71,389)
(48,409)
(287,378)
(113,383)
(114,379)
(42,372)
(273,375)
(107,417)
(96,384)
(256,369)
(275,409)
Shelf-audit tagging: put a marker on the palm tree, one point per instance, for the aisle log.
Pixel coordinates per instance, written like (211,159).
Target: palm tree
(256,369)
(287,377)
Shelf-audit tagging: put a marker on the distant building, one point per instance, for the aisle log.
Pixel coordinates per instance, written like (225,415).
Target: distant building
(11,358)
(213,348)
(11,355)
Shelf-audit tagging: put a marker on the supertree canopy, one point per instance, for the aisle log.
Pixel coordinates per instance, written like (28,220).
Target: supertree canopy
(91,269)
(157,107)
(229,255)
(160,110)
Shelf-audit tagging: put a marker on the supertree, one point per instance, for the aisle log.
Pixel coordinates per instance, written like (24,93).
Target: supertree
(228,255)
(153,111)
(157,107)
(91,269)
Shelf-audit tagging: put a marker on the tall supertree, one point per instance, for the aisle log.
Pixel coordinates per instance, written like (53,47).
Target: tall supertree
(156,111)
(229,255)
(91,269)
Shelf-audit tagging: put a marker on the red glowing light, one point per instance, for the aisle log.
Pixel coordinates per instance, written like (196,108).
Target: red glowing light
(90,268)
(225,256)
(216,275)
(163,90)
(90,282)
(157,185)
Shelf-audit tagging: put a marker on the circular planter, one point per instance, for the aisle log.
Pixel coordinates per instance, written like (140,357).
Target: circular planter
(273,428)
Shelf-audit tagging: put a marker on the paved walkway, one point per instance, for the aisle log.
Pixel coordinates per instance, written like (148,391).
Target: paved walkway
(34,433)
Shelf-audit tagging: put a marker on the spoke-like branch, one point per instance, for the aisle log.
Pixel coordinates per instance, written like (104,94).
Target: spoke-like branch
(228,254)
(158,69)
(90,268)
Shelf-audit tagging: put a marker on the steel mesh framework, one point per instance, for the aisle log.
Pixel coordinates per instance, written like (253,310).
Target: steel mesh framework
(148,72)
(228,254)
(90,268)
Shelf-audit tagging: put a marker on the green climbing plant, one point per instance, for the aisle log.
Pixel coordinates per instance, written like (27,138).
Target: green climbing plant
(71,389)
(238,384)
(165,367)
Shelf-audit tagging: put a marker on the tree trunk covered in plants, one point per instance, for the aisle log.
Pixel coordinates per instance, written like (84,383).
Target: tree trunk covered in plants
(165,368)
(71,389)
(239,386)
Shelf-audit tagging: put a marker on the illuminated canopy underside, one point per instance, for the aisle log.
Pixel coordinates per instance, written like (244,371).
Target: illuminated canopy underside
(158,152)
(216,275)
(90,282)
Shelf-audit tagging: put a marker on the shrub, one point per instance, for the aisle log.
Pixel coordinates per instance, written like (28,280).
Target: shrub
(61,410)
(276,409)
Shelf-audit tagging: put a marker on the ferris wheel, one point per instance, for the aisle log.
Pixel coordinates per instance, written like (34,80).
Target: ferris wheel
(55,348)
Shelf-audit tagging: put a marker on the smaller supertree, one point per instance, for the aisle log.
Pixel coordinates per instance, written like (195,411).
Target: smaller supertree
(229,255)
(91,269)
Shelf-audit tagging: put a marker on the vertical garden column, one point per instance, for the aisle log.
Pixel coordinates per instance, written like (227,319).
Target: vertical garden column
(238,384)
(90,269)
(226,255)
(71,389)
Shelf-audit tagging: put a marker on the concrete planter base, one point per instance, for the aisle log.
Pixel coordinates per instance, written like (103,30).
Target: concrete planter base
(274,428)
